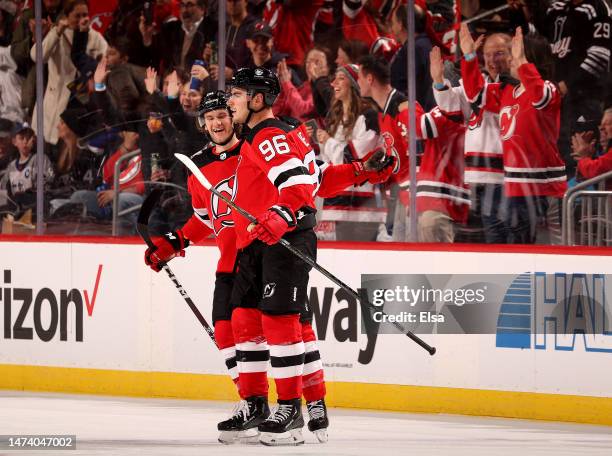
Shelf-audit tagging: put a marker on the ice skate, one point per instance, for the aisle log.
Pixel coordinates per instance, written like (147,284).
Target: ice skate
(242,426)
(284,426)
(318,422)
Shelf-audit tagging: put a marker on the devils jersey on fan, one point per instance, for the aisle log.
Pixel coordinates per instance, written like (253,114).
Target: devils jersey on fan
(529,124)
(392,135)
(277,166)
(209,209)
(440,185)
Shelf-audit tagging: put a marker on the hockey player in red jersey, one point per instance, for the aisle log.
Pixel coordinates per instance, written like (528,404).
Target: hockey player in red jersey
(277,178)
(529,113)
(212,216)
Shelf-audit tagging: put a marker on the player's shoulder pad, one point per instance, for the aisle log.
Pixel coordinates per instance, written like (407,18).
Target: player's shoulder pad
(396,103)
(206,156)
(371,120)
(268,124)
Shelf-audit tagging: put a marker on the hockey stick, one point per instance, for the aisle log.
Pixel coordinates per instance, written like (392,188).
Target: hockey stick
(143,229)
(305,258)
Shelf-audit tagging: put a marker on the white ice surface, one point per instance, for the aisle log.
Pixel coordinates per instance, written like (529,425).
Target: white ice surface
(125,426)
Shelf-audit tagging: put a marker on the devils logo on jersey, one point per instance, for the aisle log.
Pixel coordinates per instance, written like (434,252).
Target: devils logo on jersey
(387,141)
(475,120)
(507,121)
(221,213)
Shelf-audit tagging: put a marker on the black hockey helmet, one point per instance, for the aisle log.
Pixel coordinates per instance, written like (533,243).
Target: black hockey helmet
(258,80)
(212,101)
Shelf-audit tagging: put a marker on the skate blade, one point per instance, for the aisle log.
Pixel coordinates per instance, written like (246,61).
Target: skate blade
(290,438)
(249,437)
(321,435)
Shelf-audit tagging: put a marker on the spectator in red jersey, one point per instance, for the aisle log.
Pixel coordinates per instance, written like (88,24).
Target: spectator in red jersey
(131,186)
(442,197)
(583,148)
(534,173)
(484,168)
(299,102)
(375,82)
(350,51)
(292,23)
(350,135)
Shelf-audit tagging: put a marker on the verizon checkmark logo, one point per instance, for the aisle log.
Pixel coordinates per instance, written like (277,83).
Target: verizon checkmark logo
(90,304)
(48,309)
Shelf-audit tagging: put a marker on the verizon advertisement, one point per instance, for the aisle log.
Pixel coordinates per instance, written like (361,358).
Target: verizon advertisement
(98,306)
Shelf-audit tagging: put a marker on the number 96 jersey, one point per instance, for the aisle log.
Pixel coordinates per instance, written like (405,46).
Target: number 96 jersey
(277,166)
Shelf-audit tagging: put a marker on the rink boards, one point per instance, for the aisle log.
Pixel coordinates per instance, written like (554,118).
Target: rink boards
(91,318)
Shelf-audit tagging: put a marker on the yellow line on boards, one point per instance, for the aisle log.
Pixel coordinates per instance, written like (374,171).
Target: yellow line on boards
(400,398)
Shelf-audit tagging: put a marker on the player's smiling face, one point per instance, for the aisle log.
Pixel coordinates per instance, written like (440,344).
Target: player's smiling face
(238,103)
(219,125)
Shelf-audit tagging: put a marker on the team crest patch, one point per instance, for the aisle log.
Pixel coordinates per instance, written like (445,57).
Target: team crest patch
(269,290)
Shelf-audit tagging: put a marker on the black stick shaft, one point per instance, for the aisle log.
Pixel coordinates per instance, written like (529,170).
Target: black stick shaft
(143,229)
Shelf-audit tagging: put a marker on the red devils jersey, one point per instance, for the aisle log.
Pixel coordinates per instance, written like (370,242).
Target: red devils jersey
(277,166)
(393,135)
(211,213)
(529,128)
(440,185)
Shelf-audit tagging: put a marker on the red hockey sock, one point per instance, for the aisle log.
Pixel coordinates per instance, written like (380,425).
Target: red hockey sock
(284,335)
(252,352)
(225,341)
(313,381)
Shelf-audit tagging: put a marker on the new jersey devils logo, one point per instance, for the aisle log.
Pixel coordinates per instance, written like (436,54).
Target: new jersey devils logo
(221,213)
(475,121)
(387,141)
(507,121)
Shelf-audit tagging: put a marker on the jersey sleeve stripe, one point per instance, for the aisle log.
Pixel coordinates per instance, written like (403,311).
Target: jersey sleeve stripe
(283,177)
(301,179)
(428,126)
(204,219)
(546,97)
(276,171)
(589,67)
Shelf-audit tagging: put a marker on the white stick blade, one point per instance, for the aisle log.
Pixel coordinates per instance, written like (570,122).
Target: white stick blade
(185,160)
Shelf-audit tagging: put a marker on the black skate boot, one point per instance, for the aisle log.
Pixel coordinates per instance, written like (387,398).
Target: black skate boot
(319,422)
(242,426)
(284,426)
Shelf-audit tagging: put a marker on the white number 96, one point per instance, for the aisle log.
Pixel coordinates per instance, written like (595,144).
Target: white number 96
(278,145)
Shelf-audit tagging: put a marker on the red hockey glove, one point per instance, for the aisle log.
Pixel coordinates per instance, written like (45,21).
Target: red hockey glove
(273,224)
(167,247)
(376,169)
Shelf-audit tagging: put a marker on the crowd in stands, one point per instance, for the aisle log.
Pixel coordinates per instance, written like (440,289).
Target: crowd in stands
(512,107)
